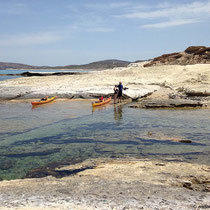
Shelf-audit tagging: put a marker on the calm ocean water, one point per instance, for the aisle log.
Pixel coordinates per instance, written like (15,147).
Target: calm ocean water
(21,71)
(8,77)
(68,130)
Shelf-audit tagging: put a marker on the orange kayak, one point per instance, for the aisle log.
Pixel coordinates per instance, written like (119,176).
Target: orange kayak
(105,101)
(43,102)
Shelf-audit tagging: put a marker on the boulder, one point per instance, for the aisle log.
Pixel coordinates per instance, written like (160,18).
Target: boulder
(194,49)
(202,51)
(197,93)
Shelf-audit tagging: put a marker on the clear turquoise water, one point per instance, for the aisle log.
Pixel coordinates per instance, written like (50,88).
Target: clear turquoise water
(69,130)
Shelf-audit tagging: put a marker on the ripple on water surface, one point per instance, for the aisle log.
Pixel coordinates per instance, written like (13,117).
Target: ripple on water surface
(69,130)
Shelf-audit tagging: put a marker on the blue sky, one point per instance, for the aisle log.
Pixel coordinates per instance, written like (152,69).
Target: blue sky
(64,32)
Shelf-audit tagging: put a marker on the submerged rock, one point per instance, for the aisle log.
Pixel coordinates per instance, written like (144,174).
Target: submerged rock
(167,103)
(48,171)
(6,164)
(33,153)
(185,141)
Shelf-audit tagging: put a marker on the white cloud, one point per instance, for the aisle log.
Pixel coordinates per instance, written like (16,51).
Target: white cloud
(29,39)
(91,23)
(173,14)
(170,23)
(190,10)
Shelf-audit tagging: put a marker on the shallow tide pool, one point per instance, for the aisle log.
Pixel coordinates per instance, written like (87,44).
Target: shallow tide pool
(68,130)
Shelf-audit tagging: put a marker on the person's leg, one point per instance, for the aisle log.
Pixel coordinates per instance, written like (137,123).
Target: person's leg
(115,98)
(120,96)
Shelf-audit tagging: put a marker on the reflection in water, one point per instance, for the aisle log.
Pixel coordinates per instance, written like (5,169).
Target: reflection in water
(118,113)
(100,108)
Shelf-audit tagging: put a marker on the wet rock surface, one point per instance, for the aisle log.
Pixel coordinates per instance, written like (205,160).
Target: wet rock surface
(169,103)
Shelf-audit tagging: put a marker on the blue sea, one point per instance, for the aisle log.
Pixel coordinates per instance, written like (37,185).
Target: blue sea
(25,70)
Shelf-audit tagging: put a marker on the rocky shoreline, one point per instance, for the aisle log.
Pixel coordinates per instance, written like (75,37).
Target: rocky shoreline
(170,86)
(114,184)
(165,98)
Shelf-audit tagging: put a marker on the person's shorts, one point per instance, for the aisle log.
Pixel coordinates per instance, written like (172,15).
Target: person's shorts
(119,94)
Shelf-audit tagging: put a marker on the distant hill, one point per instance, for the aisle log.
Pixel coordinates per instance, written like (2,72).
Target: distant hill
(105,64)
(4,65)
(192,55)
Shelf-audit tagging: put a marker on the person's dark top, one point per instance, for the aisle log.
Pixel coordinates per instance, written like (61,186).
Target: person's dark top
(120,87)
